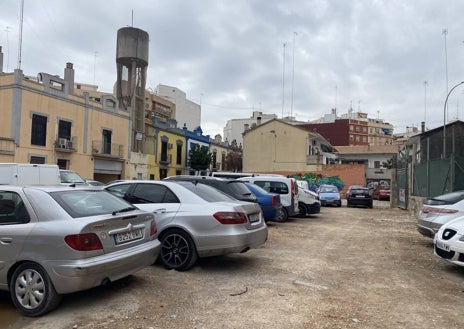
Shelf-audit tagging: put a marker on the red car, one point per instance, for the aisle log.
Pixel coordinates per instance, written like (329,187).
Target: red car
(381,192)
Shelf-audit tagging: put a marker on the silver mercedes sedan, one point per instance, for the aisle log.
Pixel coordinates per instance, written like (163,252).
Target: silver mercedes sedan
(59,240)
(195,220)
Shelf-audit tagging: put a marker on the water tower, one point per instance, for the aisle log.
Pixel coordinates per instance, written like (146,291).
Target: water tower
(132,63)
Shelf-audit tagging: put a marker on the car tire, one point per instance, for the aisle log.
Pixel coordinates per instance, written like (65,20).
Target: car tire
(303,210)
(178,250)
(282,216)
(32,291)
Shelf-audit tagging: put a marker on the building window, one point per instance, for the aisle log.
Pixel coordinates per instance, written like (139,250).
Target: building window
(64,129)
(351,137)
(152,177)
(351,128)
(357,128)
(106,137)
(364,129)
(164,151)
(377,164)
(215,160)
(179,154)
(63,163)
(357,138)
(37,160)
(39,130)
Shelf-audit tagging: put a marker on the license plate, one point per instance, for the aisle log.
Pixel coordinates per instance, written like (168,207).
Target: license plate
(254,218)
(442,246)
(128,236)
(360,196)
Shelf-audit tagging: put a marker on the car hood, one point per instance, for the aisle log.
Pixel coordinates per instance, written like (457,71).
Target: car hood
(455,224)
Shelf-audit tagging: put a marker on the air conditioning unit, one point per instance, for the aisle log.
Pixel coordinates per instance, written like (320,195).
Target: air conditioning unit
(170,146)
(62,143)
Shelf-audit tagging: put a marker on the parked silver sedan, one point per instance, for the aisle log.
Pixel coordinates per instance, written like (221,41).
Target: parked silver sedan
(439,210)
(59,240)
(195,220)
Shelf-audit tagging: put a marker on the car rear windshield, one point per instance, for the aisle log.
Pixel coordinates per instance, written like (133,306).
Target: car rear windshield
(238,188)
(206,192)
(329,189)
(84,203)
(360,191)
(448,198)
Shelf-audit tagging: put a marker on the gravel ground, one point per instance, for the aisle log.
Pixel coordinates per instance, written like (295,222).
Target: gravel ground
(343,268)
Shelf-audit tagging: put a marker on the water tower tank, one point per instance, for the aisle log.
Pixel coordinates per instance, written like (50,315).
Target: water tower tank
(132,45)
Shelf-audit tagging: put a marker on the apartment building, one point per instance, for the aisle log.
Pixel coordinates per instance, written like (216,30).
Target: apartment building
(46,121)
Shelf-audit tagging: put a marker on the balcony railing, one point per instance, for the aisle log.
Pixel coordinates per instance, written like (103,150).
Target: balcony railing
(314,159)
(66,145)
(108,150)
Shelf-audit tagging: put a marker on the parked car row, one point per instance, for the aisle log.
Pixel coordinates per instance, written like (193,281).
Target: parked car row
(61,239)
(442,218)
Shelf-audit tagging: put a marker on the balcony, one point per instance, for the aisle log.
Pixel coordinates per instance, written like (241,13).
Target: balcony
(107,150)
(166,159)
(7,146)
(314,159)
(66,145)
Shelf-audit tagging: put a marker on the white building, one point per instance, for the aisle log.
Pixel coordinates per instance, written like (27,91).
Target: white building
(235,127)
(188,113)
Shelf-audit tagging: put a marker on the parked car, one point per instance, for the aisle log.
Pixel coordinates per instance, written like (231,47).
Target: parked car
(58,240)
(329,195)
(195,220)
(308,202)
(381,192)
(286,187)
(358,196)
(448,242)
(232,187)
(69,177)
(94,182)
(439,210)
(269,203)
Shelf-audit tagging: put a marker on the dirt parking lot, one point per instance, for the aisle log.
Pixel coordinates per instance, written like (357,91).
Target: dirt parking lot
(343,268)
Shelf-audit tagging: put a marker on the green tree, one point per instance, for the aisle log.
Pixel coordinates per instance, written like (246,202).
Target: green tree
(200,157)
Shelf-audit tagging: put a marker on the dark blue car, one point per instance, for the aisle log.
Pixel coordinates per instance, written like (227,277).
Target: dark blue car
(269,203)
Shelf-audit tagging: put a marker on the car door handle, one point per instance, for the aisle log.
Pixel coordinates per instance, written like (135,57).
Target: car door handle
(161,210)
(6,240)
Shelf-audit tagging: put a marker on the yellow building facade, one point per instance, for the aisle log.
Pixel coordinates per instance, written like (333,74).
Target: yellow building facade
(44,121)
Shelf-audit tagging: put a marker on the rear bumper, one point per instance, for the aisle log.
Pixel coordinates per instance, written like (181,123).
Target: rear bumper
(78,275)
(235,242)
(426,231)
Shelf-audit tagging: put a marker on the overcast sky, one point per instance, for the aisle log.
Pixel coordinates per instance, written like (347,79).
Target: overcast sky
(390,59)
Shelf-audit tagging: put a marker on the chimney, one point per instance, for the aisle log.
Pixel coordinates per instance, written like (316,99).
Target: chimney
(69,78)
(1,60)
(423,127)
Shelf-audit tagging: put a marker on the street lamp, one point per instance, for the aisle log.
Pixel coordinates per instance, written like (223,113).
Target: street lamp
(444,118)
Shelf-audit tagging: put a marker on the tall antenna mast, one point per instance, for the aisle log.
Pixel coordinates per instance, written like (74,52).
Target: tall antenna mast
(21,20)
(445,33)
(283,82)
(293,73)
(7,30)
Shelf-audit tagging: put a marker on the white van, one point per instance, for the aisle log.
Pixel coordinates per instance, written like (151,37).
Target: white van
(286,187)
(29,174)
(308,200)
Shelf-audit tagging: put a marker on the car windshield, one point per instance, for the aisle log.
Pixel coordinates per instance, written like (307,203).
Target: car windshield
(448,198)
(84,203)
(360,190)
(238,188)
(206,192)
(328,189)
(71,177)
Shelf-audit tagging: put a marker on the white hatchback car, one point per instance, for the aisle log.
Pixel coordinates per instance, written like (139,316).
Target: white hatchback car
(449,241)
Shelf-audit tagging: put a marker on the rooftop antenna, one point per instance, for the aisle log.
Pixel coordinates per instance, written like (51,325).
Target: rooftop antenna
(21,20)
(132,18)
(94,64)
(7,30)
(425,101)
(293,72)
(445,33)
(283,81)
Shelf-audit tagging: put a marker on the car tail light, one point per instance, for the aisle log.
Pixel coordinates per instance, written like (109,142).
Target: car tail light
(84,242)
(153,229)
(274,200)
(224,217)
(427,209)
